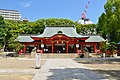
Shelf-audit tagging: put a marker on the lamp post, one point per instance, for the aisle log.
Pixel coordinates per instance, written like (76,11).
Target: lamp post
(38,57)
(42,46)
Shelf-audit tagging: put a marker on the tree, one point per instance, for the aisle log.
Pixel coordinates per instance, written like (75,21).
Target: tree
(2,24)
(12,33)
(104,46)
(39,25)
(109,21)
(112,48)
(3,32)
(86,28)
(9,29)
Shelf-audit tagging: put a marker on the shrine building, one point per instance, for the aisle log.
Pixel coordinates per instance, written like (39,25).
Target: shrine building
(59,39)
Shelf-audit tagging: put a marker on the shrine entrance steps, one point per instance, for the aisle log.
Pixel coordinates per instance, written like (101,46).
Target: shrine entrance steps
(74,55)
(51,55)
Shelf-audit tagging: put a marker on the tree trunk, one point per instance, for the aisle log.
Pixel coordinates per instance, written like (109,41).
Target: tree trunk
(4,45)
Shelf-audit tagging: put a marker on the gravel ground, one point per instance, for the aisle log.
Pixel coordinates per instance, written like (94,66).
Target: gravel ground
(16,77)
(23,69)
(17,69)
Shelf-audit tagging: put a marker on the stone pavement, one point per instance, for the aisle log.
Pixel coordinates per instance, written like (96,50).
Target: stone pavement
(65,69)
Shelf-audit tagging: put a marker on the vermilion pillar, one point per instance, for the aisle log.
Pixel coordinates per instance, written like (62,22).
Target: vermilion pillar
(66,47)
(82,48)
(77,50)
(52,47)
(37,47)
(95,48)
(24,48)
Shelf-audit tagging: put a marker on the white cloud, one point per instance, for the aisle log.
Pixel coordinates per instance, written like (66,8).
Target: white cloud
(26,4)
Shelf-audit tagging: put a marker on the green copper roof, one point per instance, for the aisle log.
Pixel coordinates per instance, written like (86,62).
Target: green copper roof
(69,31)
(24,38)
(95,38)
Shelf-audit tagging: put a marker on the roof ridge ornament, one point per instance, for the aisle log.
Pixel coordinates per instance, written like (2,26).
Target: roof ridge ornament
(59,32)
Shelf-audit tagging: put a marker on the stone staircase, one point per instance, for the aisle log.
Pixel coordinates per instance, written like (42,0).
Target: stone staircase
(55,55)
(59,55)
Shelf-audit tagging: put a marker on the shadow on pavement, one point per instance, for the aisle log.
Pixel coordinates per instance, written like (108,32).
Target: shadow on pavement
(110,74)
(74,74)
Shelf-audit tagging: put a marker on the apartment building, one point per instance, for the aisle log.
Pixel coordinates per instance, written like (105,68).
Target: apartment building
(10,14)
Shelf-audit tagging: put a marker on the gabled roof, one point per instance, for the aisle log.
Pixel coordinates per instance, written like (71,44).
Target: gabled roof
(69,31)
(24,38)
(95,38)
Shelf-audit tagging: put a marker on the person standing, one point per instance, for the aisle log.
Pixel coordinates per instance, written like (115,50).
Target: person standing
(86,52)
(33,52)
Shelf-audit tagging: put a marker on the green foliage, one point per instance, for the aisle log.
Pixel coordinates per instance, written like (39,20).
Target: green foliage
(3,28)
(78,27)
(3,32)
(104,46)
(16,46)
(86,29)
(0,45)
(112,47)
(9,30)
(109,21)
(55,21)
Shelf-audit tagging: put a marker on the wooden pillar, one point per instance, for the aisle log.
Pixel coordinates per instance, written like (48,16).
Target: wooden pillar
(24,48)
(37,47)
(66,47)
(95,48)
(81,48)
(76,50)
(52,47)
(42,50)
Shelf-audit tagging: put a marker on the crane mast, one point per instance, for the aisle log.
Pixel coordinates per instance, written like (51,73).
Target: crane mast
(85,20)
(85,11)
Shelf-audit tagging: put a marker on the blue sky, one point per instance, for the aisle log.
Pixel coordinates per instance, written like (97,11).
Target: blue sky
(70,9)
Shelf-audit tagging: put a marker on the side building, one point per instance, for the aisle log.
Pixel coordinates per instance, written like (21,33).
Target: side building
(10,14)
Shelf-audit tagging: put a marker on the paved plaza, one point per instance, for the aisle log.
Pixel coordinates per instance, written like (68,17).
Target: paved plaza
(65,69)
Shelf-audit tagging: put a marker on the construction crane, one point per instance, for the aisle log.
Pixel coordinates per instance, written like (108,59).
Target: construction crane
(85,11)
(85,20)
